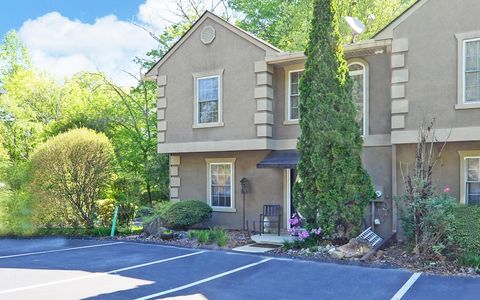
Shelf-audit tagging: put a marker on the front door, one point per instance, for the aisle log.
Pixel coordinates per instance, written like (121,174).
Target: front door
(289,179)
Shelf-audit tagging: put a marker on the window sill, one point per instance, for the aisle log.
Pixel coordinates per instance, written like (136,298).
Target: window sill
(224,209)
(291,122)
(208,125)
(467,106)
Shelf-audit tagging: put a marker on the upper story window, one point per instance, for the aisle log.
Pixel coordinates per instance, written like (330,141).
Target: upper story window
(472,71)
(208,97)
(294,94)
(472,180)
(358,74)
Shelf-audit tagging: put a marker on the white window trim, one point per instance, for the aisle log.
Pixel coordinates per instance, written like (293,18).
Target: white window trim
(366,89)
(463,39)
(221,161)
(205,75)
(464,155)
(288,119)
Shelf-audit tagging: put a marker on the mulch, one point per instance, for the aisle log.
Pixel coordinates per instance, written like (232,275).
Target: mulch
(236,238)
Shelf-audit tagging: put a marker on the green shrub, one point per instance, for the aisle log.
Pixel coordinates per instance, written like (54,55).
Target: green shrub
(74,168)
(210,236)
(105,210)
(470,260)
(185,214)
(466,229)
(437,223)
(219,235)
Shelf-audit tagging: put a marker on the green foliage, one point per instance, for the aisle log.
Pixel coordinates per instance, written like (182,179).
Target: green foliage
(437,223)
(286,24)
(466,229)
(72,231)
(185,214)
(17,208)
(334,188)
(105,210)
(308,243)
(13,55)
(470,260)
(210,236)
(74,168)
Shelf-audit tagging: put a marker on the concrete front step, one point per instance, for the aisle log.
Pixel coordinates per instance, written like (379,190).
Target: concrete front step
(272,238)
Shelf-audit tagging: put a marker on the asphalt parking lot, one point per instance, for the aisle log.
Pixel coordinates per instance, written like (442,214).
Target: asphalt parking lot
(91,269)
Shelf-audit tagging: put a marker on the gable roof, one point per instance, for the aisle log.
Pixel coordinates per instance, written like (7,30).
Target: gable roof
(387,31)
(151,74)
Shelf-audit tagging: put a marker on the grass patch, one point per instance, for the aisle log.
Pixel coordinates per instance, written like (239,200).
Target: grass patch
(210,236)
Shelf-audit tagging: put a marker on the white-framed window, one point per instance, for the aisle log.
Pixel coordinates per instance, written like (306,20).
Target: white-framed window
(208,98)
(472,180)
(293,113)
(471,71)
(358,74)
(221,184)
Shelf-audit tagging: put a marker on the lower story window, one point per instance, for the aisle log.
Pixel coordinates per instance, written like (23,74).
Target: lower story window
(472,168)
(221,184)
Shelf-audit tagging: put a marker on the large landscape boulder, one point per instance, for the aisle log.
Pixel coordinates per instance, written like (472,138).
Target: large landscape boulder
(154,227)
(354,249)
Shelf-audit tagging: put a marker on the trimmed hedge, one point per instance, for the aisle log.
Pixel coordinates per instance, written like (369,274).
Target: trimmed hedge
(466,229)
(185,214)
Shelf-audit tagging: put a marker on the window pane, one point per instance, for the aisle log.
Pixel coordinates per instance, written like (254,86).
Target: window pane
(357,74)
(294,107)
(473,193)
(294,94)
(473,169)
(472,71)
(221,185)
(208,112)
(208,100)
(208,89)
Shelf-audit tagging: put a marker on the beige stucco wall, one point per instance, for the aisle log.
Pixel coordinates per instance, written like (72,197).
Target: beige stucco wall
(447,171)
(378,97)
(378,162)
(237,57)
(432,61)
(266,185)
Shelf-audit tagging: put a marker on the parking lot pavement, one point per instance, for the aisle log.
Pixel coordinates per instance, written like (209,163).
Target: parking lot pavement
(80,269)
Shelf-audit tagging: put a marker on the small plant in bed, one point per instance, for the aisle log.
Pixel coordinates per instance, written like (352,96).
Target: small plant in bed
(210,236)
(167,235)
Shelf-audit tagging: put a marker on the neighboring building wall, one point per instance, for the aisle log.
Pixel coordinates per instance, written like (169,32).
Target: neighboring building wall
(447,172)
(266,185)
(430,47)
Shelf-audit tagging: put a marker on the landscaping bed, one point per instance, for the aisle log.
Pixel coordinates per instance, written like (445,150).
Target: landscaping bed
(395,255)
(234,238)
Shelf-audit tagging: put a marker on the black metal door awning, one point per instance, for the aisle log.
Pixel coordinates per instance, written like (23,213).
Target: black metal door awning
(281,159)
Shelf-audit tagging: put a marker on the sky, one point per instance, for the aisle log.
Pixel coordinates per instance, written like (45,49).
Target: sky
(65,36)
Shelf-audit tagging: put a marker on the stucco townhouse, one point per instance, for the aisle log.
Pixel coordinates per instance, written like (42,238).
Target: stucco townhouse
(228,110)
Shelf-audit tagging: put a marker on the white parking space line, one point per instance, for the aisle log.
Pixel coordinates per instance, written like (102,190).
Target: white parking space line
(404,289)
(203,280)
(97,274)
(60,250)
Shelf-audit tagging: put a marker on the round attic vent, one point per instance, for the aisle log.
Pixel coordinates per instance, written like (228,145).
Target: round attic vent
(208,35)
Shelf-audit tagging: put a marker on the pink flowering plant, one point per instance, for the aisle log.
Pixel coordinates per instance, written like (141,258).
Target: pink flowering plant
(299,230)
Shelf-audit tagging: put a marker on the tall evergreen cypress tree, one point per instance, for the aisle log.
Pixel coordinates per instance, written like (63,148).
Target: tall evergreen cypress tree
(334,188)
